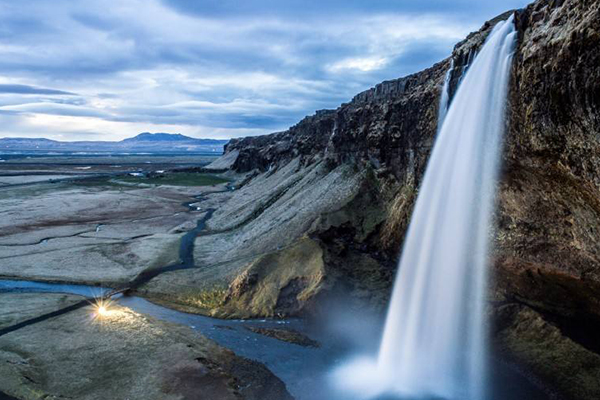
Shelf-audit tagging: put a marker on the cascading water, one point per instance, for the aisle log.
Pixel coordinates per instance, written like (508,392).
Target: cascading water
(445,97)
(434,338)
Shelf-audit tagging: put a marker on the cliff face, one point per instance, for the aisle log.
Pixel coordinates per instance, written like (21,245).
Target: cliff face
(550,202)
(547,244)
(546,289)
(383,138)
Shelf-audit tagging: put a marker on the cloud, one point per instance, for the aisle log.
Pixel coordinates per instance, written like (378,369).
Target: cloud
(364,64)
(56,109)
(213,67)
(305,8)
(26,89)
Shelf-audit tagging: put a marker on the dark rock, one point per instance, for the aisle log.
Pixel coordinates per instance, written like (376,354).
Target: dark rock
(527,337)
(287,301)
(286,335)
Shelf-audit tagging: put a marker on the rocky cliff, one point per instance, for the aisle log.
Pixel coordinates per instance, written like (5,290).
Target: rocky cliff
(547,242)
(322,208)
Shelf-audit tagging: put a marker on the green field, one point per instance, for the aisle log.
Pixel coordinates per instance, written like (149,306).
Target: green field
(174,179)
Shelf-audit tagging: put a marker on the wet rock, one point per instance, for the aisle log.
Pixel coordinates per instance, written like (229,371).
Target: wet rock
(286,335)
(532,341)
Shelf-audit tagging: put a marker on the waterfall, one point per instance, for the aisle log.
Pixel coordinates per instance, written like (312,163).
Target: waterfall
(434,341)
(445,97)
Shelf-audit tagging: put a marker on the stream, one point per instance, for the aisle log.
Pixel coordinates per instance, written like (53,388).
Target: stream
(303,369)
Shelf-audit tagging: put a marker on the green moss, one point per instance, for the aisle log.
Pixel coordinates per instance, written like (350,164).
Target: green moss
(101,182)
(205,298)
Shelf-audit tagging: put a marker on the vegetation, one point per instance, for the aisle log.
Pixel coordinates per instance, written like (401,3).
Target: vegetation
(174,179)
(99,182)
(207,298)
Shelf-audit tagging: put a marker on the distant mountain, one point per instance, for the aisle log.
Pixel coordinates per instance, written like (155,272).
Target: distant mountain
(159,137)
(168,137)
(144,142)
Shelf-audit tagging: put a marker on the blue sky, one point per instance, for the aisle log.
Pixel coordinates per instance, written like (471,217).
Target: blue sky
(109,69)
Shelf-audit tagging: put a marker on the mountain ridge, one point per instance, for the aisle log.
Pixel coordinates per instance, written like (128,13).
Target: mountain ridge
(145,141)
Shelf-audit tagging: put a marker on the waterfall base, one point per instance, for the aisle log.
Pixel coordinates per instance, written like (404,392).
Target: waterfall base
(362,378)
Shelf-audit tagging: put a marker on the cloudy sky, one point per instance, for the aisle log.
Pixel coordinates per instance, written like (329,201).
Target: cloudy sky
(109,69)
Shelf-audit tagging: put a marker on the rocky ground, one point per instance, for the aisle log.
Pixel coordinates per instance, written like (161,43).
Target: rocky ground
(287,335)
(93,234)
(17,179)
(119,356)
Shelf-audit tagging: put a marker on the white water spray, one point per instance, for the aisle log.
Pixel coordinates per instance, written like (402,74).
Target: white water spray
(445,97)
(434,342)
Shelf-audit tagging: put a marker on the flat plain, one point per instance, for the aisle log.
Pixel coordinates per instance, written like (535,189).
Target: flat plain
(98,220)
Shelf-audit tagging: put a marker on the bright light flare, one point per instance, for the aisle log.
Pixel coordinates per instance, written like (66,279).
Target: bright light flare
(102,308)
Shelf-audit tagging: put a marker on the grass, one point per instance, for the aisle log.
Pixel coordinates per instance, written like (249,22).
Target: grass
(98,182)
(175,179)
(207,299)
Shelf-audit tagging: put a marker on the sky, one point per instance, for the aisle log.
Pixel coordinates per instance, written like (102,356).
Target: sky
(110,69)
